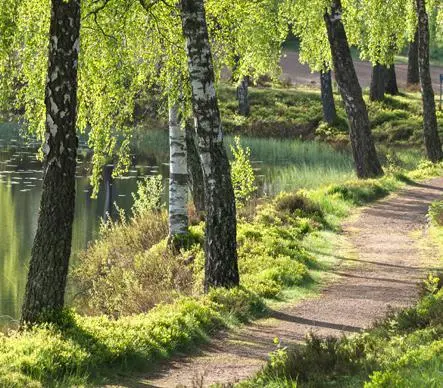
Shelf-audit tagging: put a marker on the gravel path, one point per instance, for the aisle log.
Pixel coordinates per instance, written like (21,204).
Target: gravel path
(380,271)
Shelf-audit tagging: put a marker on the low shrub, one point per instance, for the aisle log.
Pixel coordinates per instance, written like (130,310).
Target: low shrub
(360,192)
(436,213)
(112,267)
(298,204)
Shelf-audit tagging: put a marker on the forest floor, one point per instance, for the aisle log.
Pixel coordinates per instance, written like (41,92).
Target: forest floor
(380,264)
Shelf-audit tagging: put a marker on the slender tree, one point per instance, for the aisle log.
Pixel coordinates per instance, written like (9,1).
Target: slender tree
(327,97)
(431,137)
(107,180)
(391,86)
(413,77)
(48,269)
(365,157)
(195,172)
(377,90)
(243,96)
(221,267)
(178,179)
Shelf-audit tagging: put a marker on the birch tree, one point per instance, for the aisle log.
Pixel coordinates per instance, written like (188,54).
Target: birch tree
(431,137)
(51,250)
(324,45)
(365,157)
(221,267)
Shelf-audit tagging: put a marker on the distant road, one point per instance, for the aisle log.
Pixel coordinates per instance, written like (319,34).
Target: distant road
(300,74)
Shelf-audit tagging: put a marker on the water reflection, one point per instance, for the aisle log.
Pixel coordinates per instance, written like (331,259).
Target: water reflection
(279,165)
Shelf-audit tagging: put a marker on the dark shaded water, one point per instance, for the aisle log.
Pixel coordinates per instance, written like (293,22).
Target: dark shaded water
(279,165)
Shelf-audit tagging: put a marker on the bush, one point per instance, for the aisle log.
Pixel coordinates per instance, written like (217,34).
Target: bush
(111,264)
(242,174)
(360,192)
(435,213)
(298,204)
(238,303)
(148,196)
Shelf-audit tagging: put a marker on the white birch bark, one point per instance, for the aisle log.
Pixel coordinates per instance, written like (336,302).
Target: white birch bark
(178,175)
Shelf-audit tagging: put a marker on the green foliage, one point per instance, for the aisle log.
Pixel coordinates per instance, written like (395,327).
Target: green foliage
(378,34)
(237,303)
(148,196)
(242,174)
(116,69)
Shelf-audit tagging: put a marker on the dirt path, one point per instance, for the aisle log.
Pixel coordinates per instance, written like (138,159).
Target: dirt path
(381,270)
(301,74)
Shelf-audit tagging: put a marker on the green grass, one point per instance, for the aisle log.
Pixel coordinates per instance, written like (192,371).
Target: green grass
(297,113)
(276,112)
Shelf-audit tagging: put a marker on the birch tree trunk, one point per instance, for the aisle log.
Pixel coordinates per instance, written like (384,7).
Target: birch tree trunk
(221,267)
(243,96)
(377,91)
(366,161)
(327,97)
(45,288)
(391,86)
(178,179)
(195,173)
(431,137)
(413,71)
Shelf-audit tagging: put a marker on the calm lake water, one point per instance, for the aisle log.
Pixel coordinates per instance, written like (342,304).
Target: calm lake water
(279,165)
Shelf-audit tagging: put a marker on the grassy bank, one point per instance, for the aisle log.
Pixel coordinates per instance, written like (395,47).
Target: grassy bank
(403,350)
(297,113)
(129,264)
